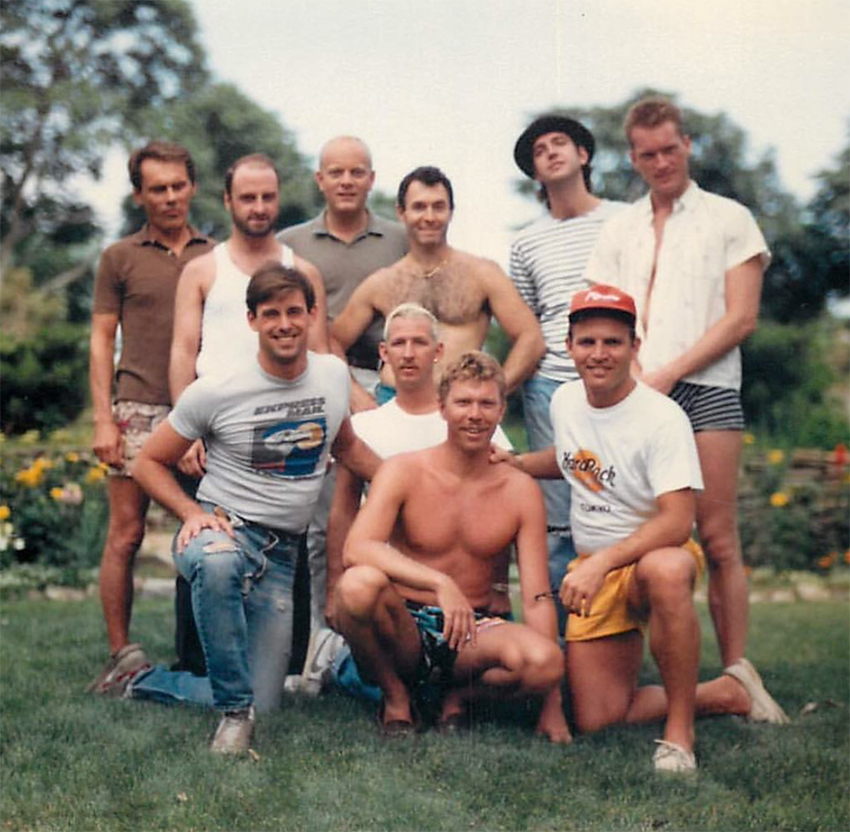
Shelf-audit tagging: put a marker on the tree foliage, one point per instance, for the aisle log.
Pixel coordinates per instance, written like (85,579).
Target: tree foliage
(78,75)
(219,124)
(809,245)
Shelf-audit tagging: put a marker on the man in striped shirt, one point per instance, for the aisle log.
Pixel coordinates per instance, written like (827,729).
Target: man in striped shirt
(547,264)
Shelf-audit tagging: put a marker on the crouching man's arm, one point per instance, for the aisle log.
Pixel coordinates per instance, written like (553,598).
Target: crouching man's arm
(344,506)
(152,470)
(671,526)
(367,545)
(538,609)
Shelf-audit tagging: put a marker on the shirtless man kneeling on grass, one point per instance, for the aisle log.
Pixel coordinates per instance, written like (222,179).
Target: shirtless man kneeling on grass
(412,601)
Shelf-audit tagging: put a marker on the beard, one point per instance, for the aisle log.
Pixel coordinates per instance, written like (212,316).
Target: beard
(254,230)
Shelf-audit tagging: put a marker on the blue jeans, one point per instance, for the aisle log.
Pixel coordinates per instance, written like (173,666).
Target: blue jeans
(536,395)
(242,601)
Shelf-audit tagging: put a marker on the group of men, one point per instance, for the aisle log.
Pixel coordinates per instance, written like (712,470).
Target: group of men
(633,419)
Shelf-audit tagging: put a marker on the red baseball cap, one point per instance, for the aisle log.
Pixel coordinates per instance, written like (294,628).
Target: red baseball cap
(603,297)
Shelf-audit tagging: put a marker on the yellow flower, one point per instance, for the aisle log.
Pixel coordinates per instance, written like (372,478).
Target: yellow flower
(42,463)
(30,477)
(749,439)
(827,560)
(57,493)
(775,456)
(6,513)
(779,499)
(95,474)
(72,456)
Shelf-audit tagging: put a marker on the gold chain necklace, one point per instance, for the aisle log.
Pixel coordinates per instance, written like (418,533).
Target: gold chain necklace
(427,273)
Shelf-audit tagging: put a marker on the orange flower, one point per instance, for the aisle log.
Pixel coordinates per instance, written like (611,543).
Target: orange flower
(6,513)
(779,499)
(776,456)
(826,561)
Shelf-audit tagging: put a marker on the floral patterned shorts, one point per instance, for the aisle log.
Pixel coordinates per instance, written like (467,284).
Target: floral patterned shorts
(136,421)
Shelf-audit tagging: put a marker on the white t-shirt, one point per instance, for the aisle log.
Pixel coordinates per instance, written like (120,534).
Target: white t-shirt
(388,430)
(268,439)
(620,459)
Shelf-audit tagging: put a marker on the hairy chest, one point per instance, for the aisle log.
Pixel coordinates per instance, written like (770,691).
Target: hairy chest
(452,296)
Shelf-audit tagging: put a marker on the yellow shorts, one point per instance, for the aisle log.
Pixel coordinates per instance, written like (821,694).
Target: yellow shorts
(611,613)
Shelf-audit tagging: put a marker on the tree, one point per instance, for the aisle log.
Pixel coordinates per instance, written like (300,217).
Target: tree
(77,75)
(219,124)
(809,258)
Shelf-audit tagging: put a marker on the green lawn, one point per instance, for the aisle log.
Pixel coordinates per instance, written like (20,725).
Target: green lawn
(73,762)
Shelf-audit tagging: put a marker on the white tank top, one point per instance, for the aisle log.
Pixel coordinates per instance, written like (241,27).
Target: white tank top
(226,338)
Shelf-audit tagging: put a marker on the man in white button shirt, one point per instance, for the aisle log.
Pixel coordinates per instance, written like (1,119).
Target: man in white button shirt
(694,262)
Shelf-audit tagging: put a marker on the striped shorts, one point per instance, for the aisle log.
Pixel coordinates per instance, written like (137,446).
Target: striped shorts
(709,408)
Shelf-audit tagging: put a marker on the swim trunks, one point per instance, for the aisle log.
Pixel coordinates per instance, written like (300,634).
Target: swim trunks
(436,658)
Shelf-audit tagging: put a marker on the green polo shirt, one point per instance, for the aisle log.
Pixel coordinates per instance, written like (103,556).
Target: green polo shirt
(344,266)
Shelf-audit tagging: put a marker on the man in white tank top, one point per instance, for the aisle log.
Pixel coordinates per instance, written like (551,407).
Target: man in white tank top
(211,330)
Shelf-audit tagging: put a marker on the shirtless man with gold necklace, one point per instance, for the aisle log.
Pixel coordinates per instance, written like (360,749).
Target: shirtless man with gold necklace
(461,290)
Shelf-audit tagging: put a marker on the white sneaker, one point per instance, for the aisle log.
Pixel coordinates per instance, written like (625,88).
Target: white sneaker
(234,732)
(670,758)
(763,707)
(324,645)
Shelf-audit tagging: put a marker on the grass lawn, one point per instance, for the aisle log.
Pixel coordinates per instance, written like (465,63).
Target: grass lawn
(74,762)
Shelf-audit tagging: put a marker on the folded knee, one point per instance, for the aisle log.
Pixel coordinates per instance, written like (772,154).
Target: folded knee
(668,577)
(541,667)
(359,588)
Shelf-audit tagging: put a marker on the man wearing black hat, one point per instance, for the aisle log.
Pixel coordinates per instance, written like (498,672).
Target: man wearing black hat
(548,260)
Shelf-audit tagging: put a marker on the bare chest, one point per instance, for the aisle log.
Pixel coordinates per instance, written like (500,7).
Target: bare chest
(472,521)
(452,296)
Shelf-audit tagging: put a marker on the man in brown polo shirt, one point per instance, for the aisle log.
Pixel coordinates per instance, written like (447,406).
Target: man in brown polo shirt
(134,287)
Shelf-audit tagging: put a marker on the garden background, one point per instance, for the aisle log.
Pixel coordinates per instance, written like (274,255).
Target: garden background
(82,81)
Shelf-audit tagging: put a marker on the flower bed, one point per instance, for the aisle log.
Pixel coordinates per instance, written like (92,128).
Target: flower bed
(53,513)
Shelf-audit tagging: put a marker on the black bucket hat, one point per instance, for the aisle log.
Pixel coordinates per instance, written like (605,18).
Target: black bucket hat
(552,123)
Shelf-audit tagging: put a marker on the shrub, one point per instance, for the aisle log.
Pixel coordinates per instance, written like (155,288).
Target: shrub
(793,509)
(790,376)
(44,378)
(54,512)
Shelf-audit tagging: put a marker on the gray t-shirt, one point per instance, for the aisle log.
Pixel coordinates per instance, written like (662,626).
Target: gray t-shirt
(268,439)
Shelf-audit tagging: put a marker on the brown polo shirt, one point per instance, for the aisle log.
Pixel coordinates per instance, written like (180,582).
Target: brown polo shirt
(136,280)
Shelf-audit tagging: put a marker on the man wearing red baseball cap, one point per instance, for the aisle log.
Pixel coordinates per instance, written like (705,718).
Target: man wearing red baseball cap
(629,454)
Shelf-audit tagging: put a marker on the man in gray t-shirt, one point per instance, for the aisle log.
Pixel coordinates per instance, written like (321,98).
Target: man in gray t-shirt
(269,429)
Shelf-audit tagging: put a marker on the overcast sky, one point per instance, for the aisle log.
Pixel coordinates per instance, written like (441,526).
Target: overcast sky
(453,82)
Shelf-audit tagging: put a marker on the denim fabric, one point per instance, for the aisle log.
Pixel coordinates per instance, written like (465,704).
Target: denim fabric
(537,393)
(242,601)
